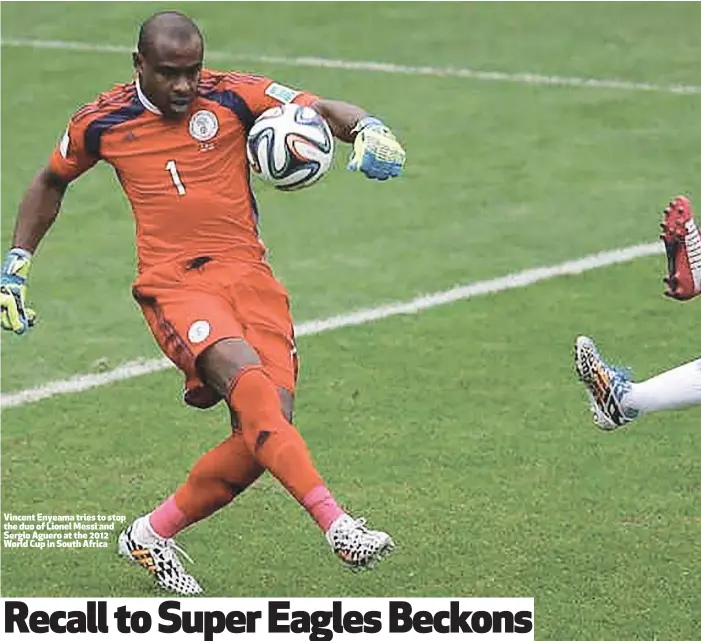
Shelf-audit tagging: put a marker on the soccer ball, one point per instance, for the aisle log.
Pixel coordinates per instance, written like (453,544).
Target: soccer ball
(290,146)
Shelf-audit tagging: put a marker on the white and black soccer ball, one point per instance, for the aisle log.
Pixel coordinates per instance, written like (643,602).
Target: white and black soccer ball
(290,146)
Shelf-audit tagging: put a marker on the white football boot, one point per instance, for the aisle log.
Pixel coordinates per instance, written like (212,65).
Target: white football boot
(358,547)
(606,386)
(158,556)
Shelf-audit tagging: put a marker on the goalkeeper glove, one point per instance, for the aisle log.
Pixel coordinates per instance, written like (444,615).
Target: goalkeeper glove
(376,152)
(14,315)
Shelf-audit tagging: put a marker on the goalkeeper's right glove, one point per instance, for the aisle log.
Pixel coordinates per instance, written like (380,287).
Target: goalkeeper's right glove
(14,315)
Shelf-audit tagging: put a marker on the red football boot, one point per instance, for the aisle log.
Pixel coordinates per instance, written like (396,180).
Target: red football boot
(682,242)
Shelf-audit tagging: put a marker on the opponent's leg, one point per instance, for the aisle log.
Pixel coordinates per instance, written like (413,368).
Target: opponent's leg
(682,240)
(616,400)
(674,389)
(233,369)
(605,385)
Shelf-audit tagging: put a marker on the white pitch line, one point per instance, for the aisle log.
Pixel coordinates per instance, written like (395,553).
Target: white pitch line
(360,317)
(381,67)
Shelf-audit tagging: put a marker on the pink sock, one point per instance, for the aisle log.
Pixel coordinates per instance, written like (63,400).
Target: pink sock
(322,507)
(168,519)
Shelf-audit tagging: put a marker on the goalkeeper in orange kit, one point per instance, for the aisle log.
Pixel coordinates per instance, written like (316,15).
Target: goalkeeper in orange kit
(176,138)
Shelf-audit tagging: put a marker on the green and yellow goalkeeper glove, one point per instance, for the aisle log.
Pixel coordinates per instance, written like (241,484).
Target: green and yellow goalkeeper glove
(14,314)
(376,152)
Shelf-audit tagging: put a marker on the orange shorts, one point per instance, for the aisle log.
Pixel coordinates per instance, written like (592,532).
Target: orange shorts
(190,307)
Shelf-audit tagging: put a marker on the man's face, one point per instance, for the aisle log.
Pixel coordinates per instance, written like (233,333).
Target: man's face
(169,73)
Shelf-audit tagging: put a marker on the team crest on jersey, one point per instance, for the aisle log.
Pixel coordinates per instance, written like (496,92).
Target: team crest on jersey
(198,331)
(204,125)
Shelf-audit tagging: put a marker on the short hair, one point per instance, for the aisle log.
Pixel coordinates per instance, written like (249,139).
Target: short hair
(175,24)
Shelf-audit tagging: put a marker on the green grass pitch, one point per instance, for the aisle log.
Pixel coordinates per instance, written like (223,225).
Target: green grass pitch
(461,429)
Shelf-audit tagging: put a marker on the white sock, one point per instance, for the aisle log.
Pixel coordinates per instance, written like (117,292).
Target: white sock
(143,532)
(674,389)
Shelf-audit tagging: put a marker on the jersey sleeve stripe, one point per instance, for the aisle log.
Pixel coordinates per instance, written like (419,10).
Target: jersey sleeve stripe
(95,129)
(122,96)
(231,100)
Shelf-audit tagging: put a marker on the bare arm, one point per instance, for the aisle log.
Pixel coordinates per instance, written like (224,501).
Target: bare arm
(341,116)
(38,209)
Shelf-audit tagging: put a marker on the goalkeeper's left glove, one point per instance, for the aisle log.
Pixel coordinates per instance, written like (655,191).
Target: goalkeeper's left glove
(14,315)
(376,152)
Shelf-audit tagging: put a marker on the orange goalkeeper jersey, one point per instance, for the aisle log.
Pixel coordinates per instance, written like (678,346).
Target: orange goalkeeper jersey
(187,180)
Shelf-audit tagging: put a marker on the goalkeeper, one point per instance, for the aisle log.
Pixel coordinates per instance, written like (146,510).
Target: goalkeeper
(204,285)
